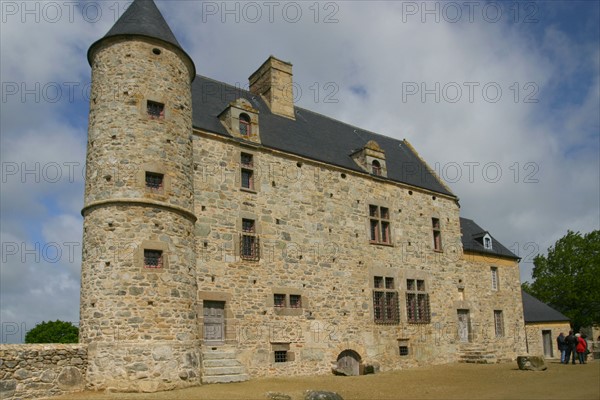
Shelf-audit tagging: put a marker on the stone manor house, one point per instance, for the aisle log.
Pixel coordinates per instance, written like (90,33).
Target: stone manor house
(229,234)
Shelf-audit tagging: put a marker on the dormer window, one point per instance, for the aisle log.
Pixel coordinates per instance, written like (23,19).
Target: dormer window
(241,120)
(376,168)
(371,158)
(244,125)
(487,242)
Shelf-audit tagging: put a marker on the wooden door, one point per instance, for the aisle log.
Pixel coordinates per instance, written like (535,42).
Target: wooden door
(547,341)
(214,321)
(463,325)
(349,362)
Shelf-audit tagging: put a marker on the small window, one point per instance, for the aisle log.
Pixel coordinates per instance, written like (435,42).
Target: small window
(153,259)
(247,171)
(385,301)
(279,300)
(379,224)
(494,272)
(245,125)
(403,351)
(249,242)
(295,301)
(154,181)
(155,110)
(376,168)
(281,356)
(437,234)
(417,302)
(487,242)
(499,323)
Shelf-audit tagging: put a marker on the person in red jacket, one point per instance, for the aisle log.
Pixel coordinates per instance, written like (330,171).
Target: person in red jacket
(581,348)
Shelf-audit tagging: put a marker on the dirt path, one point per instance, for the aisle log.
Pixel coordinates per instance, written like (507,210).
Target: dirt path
(455,381)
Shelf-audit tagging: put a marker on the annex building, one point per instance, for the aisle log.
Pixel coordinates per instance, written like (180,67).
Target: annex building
(229,234)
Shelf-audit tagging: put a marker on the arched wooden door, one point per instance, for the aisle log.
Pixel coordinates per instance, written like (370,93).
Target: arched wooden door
(349,362)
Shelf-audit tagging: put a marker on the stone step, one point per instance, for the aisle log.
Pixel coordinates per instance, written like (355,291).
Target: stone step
(221,362)
(217,355)
(237,370)
(224,378)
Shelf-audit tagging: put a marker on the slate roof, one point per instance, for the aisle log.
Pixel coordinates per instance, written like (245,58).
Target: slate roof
(311,135)
(535,310)
(471,231)
(142,18)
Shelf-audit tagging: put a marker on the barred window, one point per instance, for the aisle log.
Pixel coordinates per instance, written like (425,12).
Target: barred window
(499,323)
(247,171)
(153,259)
(281,356)
(379,222)
(279,300)
(155,110)
(295,301)
(244,124)
(417,302)
(385,301)
(154,181)
(249,241)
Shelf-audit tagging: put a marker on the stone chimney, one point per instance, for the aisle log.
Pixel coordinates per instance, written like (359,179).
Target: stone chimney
(273,81)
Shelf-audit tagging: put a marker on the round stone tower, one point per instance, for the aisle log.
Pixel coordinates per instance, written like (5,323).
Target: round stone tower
(138,278)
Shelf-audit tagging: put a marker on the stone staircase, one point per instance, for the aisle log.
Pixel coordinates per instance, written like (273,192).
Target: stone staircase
(476,354)
(220,365)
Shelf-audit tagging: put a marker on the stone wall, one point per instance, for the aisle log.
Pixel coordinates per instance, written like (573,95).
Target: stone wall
(313,224)
(535,344)
(41,370)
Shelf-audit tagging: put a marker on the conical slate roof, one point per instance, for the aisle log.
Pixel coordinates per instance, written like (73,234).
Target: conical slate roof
(142,18)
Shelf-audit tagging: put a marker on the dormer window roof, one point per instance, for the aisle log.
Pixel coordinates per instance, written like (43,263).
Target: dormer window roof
(241,120)
(371,158)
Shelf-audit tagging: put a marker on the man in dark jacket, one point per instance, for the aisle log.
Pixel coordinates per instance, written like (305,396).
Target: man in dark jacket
(571,343)
(562,347)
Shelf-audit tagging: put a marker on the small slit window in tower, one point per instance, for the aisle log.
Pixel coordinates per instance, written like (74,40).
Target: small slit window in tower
(244,125)
(155,110)
(153,259)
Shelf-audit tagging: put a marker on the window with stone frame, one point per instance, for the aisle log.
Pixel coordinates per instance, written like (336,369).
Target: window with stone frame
(494,278)
(499,323)
(385,301)
(379,225)
(249,241)
(247,171)
(153,258)
(281,300)
(155,182)
(437,234)
(417,302)
(244,126)
(155,110)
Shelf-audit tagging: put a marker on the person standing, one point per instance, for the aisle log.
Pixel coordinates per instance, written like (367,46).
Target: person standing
(571,344)
(562,347)
(581,348)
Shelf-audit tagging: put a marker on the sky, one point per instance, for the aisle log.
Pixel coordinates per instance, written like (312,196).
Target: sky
(501,99)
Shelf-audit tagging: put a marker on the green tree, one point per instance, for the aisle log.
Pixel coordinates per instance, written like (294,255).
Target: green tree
(53,332)
(568,278)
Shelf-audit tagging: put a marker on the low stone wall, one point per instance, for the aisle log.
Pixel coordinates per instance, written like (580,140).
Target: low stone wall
(41,370)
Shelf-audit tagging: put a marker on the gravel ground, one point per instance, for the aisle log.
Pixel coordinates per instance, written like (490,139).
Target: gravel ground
(454,381)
